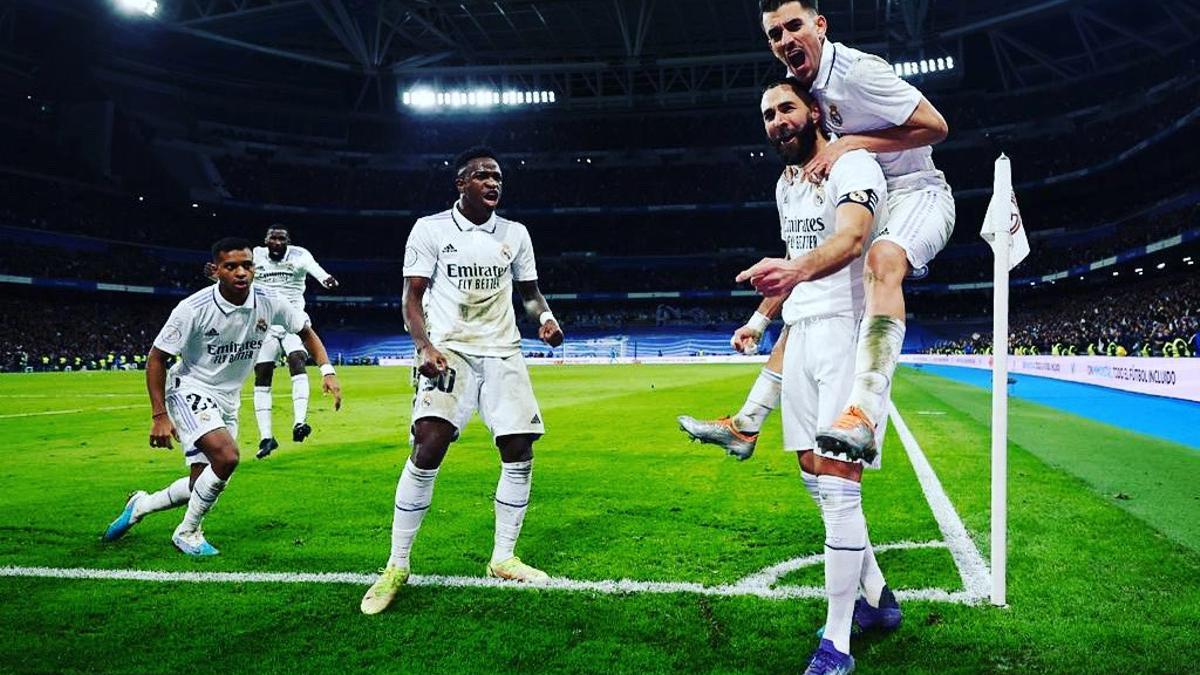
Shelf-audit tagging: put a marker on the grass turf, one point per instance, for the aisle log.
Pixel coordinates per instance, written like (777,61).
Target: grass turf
(618,493)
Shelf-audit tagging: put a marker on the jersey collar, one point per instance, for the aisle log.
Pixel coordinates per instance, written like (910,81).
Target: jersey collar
(825,71)
(227,307)
(464,224)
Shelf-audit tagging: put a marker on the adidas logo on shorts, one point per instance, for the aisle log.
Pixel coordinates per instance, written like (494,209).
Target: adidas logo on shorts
(211,332)
(449,249)
(536,419)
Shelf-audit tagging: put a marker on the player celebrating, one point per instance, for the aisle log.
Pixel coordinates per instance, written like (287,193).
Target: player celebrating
(826,227)
(459,269)
(869,107)
(215,332)
(284,268)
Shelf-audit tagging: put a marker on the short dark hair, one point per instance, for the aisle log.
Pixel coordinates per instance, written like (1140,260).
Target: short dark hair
(226,244)
(280,227)
(771,5)
(796,86)
(469,154)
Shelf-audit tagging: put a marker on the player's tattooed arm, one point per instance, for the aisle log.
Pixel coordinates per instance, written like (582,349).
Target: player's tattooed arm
(925,126)
(162,430)
(430,361)
(329,380)
(539,311)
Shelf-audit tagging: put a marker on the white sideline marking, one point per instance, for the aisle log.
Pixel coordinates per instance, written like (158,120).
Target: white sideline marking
(71,411)
(129,395)
(974,571)
(757,585)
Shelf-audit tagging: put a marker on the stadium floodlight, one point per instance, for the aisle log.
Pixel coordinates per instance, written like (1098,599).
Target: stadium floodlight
(425,99)
(147,7)
(1160,266)
(923,66)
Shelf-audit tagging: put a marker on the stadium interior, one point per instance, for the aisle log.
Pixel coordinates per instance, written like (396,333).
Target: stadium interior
(134,140)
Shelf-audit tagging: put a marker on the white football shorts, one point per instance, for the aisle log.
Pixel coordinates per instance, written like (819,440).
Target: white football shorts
(818,373)
(279,343)
(195,412)
(920,218)
(498,387)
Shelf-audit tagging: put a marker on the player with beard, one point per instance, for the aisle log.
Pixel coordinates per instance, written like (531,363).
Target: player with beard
(826,226)
(869,107)
(460,266)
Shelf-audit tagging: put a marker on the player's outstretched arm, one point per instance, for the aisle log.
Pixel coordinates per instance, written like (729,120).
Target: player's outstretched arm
(539,310)
(776,277)
(925,126)
(746,338)
(329,380)
(430,361)
(162,430)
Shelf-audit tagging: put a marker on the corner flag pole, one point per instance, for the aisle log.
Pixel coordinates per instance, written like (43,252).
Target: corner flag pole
(999,228)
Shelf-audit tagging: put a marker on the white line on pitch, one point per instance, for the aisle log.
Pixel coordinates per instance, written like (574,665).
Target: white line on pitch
(772,574)
(71,411)
(610,587)
(971,567)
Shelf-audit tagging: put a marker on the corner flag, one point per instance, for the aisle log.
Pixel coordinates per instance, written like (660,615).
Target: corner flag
(1004,214)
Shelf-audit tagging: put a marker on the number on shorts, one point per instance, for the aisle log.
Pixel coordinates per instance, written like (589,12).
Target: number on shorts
(443,382)
(198,402)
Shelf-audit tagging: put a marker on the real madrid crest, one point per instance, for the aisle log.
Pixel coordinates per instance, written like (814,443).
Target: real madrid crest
(261,325)
(835,117)
(506,252)
(819,194)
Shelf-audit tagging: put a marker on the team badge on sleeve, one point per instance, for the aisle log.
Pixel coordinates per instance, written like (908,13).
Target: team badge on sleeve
(865,198)
(173,333)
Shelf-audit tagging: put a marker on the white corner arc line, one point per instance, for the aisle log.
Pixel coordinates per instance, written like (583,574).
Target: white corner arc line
(71,411)
(607,587)
(974,571)
(770,576)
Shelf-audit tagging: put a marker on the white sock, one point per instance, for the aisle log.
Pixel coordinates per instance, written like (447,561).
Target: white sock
(512,500)
(262,411)
(300,398)
(762,399)
(880,339)
(871,577)
(810,484)
(845,542)
(175,494)
(414,491)
(204,494)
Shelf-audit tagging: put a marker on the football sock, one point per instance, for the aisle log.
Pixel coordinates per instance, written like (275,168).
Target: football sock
(762,399)
(879,341)
(175,494)
(512,500)
(414,491)
(262,411)
(871,577)
(204,494)
(810,484)
(300,398)
(845,541)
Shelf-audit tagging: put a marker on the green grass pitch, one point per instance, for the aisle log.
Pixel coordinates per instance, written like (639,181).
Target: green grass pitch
(1104,568)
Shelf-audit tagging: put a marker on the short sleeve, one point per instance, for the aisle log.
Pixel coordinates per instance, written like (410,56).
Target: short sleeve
(881,92)
(176,332)
(857,178)
(313,267)
(524,267)
(420,253)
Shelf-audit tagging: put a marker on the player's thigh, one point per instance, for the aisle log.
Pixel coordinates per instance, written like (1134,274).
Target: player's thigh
(920,221)
(506,401)
(775,360)
(798,394)
(271,349)
(292,343)
(196,414)
(452,395)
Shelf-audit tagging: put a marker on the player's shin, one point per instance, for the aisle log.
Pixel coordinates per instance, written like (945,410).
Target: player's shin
(414,492)
(762,399)
(175,494)
(204,494)
(871,576)
(512,501)
(879,342)
(300,394)
(845,542)
(262,411)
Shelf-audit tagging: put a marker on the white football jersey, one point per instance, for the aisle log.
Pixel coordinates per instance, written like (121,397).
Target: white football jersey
(288,276)
(808,216)
(860,92)
(217,341)
(471,268)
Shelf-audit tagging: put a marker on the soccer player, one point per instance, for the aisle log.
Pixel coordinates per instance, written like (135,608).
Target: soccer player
(826,226)
(459,270)
(869,107)
(284,268)
(215,332)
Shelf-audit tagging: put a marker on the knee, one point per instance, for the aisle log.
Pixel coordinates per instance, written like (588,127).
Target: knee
(516,448)
(225,460)
(431,439)
(886,263)
(262,374)
(296,361)
(807,461)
